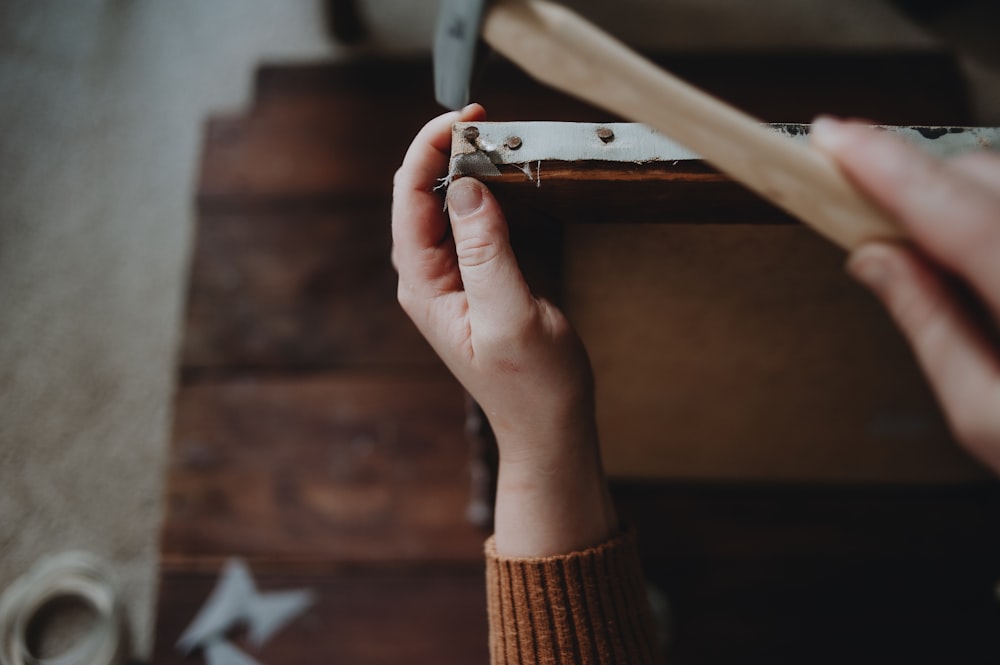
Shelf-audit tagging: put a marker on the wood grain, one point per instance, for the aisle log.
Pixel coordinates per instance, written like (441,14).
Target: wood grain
(294,291)
(366,618)
(328,468)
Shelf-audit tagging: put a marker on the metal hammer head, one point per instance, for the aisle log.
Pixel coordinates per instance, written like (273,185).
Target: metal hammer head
(455,43)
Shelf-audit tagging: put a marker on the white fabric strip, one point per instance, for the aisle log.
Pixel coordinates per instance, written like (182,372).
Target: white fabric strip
(637,143)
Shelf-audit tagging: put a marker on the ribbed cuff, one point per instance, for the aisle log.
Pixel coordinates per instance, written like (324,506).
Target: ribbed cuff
(586,607)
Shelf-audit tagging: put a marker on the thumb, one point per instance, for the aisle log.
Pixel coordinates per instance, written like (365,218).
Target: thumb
(952,349)
(496,291)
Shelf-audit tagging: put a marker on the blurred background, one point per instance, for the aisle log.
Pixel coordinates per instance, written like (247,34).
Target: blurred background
(102,109)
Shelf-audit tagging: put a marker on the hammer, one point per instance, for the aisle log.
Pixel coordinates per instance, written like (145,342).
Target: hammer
(561,49)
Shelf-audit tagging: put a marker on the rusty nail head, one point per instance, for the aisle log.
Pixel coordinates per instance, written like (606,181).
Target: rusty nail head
(470,134)
(605,135)
(513,142)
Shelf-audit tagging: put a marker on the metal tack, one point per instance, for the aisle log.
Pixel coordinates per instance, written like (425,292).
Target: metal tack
(470,134)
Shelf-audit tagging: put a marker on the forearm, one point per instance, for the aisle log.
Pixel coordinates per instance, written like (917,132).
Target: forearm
(518,356)
(564,581)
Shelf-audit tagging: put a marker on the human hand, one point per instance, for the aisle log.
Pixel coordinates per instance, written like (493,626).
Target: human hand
(951,210)
(515,353)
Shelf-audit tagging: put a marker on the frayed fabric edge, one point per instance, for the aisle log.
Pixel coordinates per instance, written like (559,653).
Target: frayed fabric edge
(477,169)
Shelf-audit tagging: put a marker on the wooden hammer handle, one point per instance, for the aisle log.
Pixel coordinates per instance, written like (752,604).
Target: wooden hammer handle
(566,52)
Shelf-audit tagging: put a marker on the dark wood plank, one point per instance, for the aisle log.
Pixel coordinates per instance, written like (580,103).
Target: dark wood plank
(751,573)
(328,468)
(321,153)
(365,618)
(899,87)
(303,290)
(334,134)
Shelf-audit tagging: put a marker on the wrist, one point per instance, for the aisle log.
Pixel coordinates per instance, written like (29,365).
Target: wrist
(553,504)
(547,437)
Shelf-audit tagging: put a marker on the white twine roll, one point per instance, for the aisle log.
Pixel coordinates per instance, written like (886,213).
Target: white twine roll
(72,575)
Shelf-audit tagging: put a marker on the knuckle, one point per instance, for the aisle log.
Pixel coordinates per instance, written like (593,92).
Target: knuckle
(480,240)
(922,317)
(405,297)
(476,250)
(525,326)
(562,331)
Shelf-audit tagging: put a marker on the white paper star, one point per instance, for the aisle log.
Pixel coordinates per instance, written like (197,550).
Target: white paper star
(236,601)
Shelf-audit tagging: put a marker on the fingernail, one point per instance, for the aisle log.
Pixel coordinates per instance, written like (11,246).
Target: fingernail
(826,132)
(870,268)
(465,196)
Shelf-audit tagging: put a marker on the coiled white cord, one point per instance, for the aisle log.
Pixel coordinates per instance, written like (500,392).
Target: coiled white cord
(72,575)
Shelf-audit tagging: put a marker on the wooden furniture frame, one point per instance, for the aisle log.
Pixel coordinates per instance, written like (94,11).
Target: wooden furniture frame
(728,342)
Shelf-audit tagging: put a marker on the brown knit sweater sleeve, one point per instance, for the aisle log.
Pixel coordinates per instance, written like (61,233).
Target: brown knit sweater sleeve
(586,607)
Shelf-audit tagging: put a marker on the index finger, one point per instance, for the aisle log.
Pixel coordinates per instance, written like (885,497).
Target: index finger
(418,220)
(954,218)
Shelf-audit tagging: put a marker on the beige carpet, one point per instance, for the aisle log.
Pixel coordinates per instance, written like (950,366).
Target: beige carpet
(101,105)
(101,113)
